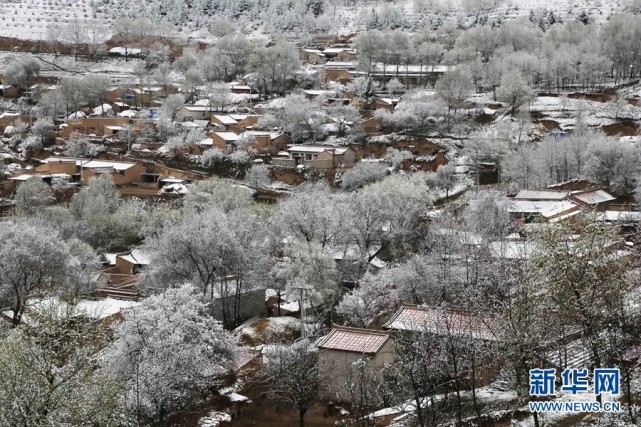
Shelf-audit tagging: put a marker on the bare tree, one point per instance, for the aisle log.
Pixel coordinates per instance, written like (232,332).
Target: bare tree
(292,374)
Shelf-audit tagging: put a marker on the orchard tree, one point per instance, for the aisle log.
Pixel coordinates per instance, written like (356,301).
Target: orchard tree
(362,174)
(169,352)
(22,73)
(364,88)
(33,259)
(292,374)
(31,197)
(48,373)
(55,34)
(454,87)
(514,90)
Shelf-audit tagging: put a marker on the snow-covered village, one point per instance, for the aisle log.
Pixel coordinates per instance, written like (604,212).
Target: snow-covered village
(348,213)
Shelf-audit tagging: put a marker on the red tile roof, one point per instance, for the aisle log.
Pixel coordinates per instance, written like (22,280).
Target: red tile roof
(354,340)
(442,321)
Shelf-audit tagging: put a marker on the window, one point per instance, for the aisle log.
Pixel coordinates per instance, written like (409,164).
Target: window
(309,156)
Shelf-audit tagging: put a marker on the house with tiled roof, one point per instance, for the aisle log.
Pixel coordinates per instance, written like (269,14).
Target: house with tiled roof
(343,346)
(442,321)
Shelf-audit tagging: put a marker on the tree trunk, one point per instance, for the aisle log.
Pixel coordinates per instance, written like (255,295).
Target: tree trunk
(301,415)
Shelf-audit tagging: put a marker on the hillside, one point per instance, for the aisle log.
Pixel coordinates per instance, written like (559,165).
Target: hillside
(205,19)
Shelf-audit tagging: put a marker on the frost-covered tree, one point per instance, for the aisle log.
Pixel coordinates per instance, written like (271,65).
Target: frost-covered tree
(613,164)
(309,215)
(48,373)
(32,259)
(54,35)
(362,174)
(169,352)
(22,73)
(258,176)
(292,374)
(97,199)
(31,196)
(364,88)
(79,147)
(367,302)
(221,254)
(43,128)
(446,175)
(454,87)
(514,90)
(218,194)
(487,214)
(396,157)
(274,66)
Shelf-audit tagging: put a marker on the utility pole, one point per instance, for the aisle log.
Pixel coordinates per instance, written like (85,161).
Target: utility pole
(301,304)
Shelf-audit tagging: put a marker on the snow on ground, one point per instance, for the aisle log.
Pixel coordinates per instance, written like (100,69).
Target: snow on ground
(485,395)
(94,309)
(116,69)
(260,331)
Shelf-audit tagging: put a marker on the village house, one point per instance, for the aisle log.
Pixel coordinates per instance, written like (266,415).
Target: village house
(342,54)
(312,56)
(412,75)
(241,89)
(122,173)
(261,141)
(337,71)
(132,262)
(193,112)
(237,123)
(225,141)
(442,322)
(559,205)
(592,200)
(343,346)
(388,104)
(98,126)
(316,157)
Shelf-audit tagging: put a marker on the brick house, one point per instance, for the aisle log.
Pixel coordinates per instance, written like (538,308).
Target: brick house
(343,346)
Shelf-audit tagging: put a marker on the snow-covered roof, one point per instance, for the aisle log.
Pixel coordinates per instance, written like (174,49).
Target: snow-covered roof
(353,340)
(546,208)
(541,195)
(340,65)
(101,164)
(102,109)
(21,178)
(228,136)
(136,256)
(94,309)
(77,115)
(442,322)
(564,208)
(316,51)
(404,69)
(256,133)
(316,92)
(337,50)
(206,141)
(593,197)
(128,113)
(315,149)
(197,107)
(224,119)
